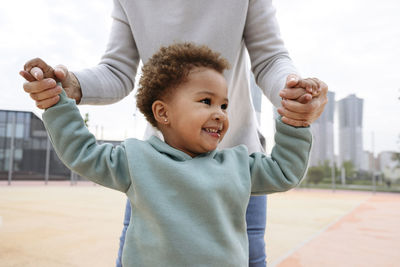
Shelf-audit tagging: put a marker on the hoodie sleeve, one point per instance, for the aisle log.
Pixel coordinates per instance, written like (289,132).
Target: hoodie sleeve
(78,150)
(288,163)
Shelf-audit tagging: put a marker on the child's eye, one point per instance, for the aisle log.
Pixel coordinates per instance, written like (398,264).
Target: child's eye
(206,101)
(224,106)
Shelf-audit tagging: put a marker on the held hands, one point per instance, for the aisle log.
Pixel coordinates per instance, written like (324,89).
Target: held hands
(303,100)
(42,83)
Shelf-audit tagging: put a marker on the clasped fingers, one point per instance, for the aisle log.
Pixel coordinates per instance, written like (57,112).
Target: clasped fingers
(49,93)
(298,114)
(44,92)
(301,108)
(39,86)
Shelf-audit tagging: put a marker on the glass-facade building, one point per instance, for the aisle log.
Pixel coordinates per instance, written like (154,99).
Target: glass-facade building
(23,147)
(350,130)
(323,132)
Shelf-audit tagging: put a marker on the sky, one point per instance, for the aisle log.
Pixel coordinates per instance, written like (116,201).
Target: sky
(352,45)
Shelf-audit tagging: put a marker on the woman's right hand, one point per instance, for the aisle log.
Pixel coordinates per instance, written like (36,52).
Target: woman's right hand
(42,83)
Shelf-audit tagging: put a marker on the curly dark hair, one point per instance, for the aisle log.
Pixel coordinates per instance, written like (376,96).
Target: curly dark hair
(170,67)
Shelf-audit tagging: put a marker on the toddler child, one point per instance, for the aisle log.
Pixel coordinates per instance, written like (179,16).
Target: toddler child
(188,199)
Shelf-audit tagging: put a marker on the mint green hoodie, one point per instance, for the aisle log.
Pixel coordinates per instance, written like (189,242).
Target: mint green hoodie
(185,211)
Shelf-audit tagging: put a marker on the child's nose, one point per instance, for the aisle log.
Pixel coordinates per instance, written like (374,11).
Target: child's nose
(219,115)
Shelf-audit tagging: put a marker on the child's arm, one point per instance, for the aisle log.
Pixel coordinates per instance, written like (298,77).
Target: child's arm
(287,164)
(77,148)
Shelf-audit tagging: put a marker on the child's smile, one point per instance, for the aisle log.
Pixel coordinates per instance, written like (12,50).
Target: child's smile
(196,113)
(214,132)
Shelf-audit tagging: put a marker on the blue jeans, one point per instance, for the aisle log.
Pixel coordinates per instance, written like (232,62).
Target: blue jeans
(256,216)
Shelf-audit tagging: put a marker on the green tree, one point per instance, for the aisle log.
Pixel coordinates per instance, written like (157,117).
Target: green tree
(349,168)
(86,120)
(315,174)
(327,168)
(396,157)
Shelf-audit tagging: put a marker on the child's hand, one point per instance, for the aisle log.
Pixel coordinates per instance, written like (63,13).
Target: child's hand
(303,100)
(42,86)
(301,90)
(36,69)
(311,85)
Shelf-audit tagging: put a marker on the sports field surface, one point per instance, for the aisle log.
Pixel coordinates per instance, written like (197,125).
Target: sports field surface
(62,225)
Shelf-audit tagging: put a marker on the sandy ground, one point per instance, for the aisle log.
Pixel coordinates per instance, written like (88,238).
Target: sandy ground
(59,226)
(62,225)
(295,217)
(367,236)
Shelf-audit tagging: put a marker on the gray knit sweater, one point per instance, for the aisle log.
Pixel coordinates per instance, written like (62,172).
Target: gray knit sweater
(235,28)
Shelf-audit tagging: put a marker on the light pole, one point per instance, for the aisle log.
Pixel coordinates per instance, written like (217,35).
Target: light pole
(373,165)
(11,156)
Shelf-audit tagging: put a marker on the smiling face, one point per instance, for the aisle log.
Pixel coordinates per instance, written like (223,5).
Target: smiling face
(194,118)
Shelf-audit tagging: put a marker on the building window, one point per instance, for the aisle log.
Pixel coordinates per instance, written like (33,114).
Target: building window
(2,128)
(18,154)
(3,116)
(6,159)
(2,156)
(19,130)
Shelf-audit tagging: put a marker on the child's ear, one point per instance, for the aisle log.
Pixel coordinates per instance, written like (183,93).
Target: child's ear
(160,112)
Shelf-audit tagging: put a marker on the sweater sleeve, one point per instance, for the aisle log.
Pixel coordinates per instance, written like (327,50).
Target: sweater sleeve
(270,60)
(114,77)
(288,163)
(77,148)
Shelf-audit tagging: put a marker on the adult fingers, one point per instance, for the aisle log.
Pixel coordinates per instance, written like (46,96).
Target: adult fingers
(305,112)
(69,82)
(39,86)
(304,99)
(61,72)
(324,87)
(48,71)
(37,73)
(319,105)
(27,76)
(298,113)
(292,93)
